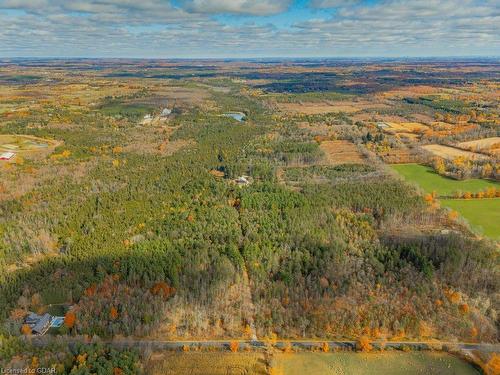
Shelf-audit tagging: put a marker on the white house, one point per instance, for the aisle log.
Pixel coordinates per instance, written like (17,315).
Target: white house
(166,112)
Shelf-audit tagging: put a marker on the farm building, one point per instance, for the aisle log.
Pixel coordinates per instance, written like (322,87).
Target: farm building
(7,155)
(243,181)
(166,112)
(238,116)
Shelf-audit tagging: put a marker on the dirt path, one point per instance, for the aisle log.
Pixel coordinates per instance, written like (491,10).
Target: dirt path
(280,175)
(248,305)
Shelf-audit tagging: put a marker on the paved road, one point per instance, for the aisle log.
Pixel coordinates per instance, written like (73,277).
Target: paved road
(260,344)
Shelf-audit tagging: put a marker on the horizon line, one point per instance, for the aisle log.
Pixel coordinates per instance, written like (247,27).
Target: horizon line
(251,57)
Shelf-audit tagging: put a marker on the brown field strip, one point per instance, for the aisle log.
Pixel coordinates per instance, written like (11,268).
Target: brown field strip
(340,152)
(451,153)
(311,108)
(405,127)
(489,145)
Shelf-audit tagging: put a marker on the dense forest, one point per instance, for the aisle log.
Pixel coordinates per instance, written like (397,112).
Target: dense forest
(140,242)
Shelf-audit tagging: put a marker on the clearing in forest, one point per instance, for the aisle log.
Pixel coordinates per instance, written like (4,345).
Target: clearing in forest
(489,145)
(27,146)
(341,152)
(387,363)
(452,153)
(25,143)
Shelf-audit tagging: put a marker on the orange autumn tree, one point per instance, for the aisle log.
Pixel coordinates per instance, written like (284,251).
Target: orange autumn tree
(492,367)
(325,347)
(113,313)
(90,291)
(162,289)
(69,319)
(467,195)
(234,346)
(464,308)
(26,330)
(429,198)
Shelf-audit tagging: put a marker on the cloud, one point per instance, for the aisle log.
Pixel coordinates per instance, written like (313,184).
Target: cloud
(446,25)
(248,7)
(159,28)
(333,3)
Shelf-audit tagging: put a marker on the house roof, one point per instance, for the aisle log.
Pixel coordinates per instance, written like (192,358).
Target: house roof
(6,155)
(43,324)
(166,112)
(32,318)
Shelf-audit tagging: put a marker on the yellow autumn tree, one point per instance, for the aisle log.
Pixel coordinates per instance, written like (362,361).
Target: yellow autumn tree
(453,215)
(490,192)
(439,165)
(363,344)
(487,170)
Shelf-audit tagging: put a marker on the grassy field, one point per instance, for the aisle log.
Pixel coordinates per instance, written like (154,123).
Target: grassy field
(18,143)
(430,181)
(134,110)
(342,363)
(200,363)
(389,363)
(482,214)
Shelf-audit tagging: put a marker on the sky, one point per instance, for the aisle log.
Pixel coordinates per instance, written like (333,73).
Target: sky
(249,28)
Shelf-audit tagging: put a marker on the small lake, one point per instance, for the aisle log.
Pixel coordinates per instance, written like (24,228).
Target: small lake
(238,116)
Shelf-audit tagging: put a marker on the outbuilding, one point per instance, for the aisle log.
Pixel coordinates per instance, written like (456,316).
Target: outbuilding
(7,155)
(166,112)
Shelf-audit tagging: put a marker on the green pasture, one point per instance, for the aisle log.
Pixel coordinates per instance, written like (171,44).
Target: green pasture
(482,214)
(430,181)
